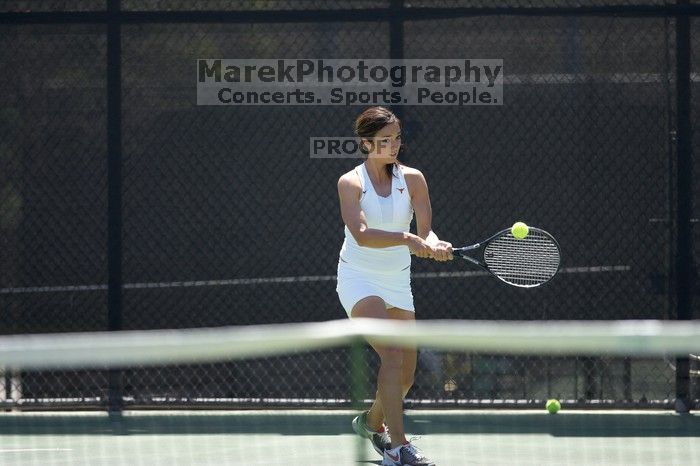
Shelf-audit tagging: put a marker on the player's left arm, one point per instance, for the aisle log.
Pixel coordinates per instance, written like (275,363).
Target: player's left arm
(420,200)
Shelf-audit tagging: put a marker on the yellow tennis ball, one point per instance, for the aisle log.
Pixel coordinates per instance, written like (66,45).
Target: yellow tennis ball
(553,406)
(519,230)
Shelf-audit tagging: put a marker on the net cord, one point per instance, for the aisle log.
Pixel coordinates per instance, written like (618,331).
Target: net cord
(162,347)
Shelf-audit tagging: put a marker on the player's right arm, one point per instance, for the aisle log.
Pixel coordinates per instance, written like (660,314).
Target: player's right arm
(349,191)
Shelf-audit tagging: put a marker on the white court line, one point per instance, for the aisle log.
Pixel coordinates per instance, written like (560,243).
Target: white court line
(296,279)
(23,450)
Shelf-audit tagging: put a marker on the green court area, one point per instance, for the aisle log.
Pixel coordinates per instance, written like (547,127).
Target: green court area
(324,437)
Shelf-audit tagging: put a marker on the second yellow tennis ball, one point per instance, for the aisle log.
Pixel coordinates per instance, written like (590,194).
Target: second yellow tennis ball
(553,406)
(519,230)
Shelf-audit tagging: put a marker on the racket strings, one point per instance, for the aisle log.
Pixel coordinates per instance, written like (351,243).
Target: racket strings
(525,262)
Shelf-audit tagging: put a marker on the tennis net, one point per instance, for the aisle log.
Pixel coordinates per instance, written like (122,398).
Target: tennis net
(141,420)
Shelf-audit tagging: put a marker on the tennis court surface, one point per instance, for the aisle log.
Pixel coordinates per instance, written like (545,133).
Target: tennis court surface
(315,437)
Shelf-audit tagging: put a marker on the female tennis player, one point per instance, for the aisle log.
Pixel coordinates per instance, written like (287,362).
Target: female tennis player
(377,201)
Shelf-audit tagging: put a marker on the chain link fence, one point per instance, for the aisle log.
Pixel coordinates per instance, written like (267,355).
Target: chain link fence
(584,147)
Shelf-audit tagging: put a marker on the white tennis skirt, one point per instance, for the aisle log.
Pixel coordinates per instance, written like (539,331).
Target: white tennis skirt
(355,283)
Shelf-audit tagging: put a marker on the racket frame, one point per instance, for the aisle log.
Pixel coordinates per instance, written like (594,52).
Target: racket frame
(462,252)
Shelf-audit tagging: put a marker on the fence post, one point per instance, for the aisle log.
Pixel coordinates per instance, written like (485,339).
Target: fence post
(685,276)
(114,193)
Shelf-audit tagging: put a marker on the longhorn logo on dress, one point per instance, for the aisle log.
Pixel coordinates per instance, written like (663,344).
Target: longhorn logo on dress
(401,190)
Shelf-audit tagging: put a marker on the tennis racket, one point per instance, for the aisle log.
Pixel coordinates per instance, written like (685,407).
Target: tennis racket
(526,263)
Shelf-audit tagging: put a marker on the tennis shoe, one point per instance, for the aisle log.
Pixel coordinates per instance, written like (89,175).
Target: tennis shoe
(405,455)
(380,440)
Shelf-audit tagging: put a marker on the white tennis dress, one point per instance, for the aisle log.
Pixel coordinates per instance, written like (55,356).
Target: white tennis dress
(382,272)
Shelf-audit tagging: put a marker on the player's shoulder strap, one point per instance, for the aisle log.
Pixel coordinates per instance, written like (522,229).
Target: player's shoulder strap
(399,172)
(361,174)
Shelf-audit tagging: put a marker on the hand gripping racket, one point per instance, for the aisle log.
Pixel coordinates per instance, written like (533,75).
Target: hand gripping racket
(526,263)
